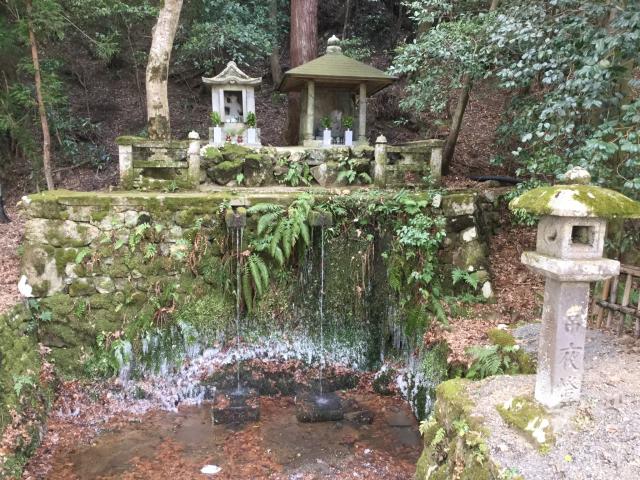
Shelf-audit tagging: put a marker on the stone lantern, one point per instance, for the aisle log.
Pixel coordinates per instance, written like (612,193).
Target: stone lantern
(569,249)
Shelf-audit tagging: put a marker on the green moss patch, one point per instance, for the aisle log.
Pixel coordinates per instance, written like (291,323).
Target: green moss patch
(530,419)
(596,201)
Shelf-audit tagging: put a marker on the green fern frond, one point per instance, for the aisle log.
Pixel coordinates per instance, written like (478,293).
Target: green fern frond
(247,291)
(262,208)
(267,220)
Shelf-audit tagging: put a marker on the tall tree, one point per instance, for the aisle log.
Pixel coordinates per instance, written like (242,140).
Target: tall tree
(458,114)
(303,48)
(274,58)
(158,69)
(42,111)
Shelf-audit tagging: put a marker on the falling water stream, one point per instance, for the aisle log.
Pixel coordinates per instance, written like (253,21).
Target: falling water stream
(321,305)
(239,232)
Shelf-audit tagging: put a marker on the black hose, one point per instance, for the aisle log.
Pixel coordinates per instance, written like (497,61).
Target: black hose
(497,178)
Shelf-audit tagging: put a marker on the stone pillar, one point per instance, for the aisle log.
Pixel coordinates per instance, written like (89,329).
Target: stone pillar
(435,164)
(562,340)
(194,158)
(362,114)
(125,161)
(251,102)
(311,103)
(380,166)
(216,106)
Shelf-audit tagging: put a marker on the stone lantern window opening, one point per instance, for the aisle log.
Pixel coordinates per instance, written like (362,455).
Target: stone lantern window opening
(582,235)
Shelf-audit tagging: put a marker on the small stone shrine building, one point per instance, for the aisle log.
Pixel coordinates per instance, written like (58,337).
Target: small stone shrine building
(232,94)
(333,86)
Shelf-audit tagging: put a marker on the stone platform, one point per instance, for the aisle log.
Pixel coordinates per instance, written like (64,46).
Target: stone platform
(316,407)
(236,407)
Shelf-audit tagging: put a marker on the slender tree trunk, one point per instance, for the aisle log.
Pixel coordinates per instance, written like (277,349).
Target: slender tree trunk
(42,111)
(158,69)
(276,69)
(304,47)
(458,115)
(456,124)
(347,11)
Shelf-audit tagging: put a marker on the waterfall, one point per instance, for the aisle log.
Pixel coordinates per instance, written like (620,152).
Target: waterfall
(321,305)
(239,232)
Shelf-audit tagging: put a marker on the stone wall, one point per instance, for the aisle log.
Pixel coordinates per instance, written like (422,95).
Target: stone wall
(172,165)
(99,262)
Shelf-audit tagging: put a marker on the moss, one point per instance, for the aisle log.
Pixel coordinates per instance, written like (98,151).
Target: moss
(501,337)
(455,204)
(81,287)
(594,201)
(129,139)
(21,359)
(232,152)
(531,420)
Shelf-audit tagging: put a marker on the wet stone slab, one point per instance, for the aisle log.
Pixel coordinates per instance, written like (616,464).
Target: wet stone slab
(235,407)
(315,407)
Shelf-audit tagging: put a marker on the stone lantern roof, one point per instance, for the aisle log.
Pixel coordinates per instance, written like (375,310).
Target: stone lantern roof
(232,75)
(336,69)
(577,200)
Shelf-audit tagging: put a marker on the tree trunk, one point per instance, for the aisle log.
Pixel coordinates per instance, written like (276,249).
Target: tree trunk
(46,135)
(347,11)
(276,69)
(304,47)
(458,115)
(158,70)
(456,124)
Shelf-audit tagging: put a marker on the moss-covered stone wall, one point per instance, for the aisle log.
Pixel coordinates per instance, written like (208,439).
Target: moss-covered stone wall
(100,263)
(26,386)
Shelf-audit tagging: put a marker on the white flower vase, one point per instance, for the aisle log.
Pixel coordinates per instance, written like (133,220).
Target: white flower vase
(252,136)
(348,138)
(326,138)
(217,135)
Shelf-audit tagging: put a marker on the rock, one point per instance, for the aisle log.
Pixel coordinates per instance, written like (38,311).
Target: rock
(104,284)
(324,174)
(469,234)
(234,153)
(60,233)
(226,171)
(457,204)
(487,290)
(363,417)
(399,419)
(257,169)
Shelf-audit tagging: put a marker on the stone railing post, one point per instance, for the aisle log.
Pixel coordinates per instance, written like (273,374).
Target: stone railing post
(435,164)
(380,167)
(125,161)
(569,248)
(194,158)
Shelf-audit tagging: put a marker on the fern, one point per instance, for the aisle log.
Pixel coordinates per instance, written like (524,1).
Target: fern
(487,361)
(438,437)
(255,280)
